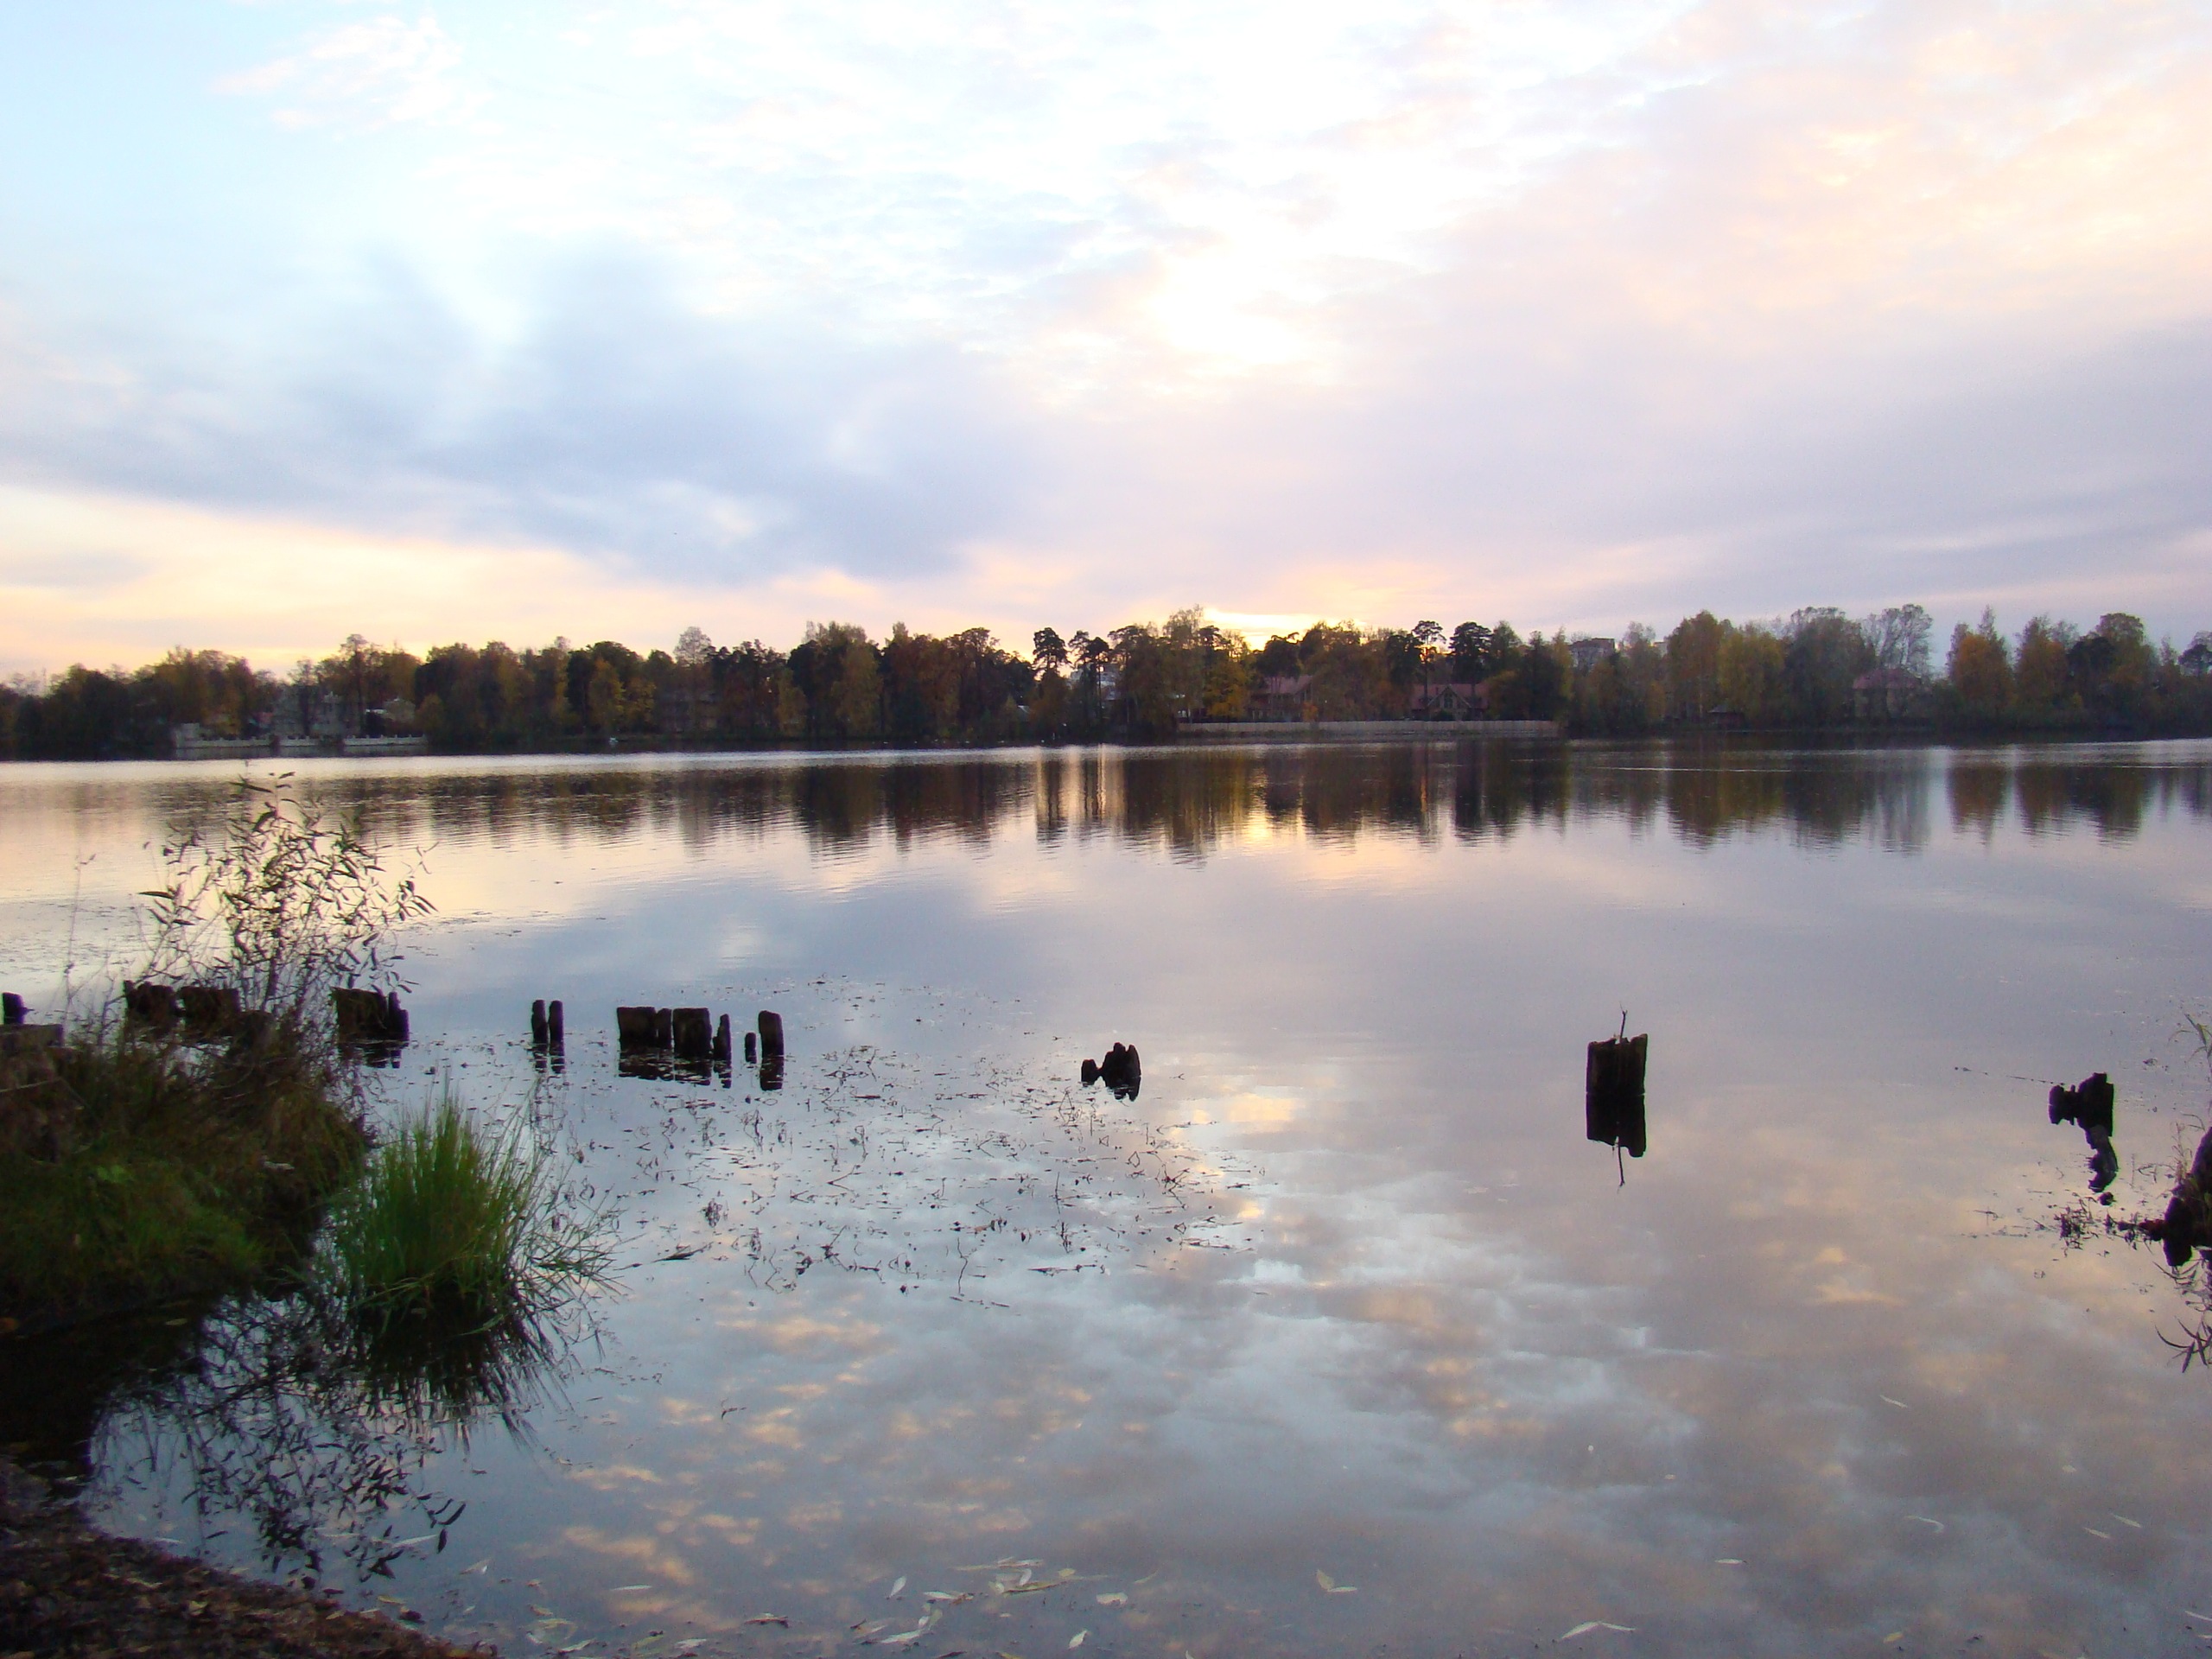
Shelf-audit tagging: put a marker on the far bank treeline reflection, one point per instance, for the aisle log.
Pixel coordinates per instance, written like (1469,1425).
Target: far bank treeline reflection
(1190,801)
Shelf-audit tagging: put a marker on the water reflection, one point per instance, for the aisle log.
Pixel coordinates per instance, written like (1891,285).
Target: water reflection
(1193,801)
(325,1433)
(321,1430)
(1344,1293)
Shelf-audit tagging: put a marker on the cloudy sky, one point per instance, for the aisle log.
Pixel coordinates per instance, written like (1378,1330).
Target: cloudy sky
(477,319)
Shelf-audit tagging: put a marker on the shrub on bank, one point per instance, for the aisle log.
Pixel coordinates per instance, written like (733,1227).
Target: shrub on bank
(189,1137)
(135,1167)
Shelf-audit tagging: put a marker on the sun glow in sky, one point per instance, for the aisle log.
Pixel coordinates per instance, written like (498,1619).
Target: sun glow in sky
(483,320)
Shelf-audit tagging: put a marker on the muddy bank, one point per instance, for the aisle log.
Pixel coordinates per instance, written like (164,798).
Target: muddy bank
(67,1590)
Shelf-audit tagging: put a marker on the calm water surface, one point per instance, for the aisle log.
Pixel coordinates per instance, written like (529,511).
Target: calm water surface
(1341,1336)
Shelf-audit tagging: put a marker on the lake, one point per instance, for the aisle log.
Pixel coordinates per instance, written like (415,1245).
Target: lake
(1340,1336)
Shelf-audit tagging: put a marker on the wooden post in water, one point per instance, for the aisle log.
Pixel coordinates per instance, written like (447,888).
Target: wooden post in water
(693,1036)
(1612,1094)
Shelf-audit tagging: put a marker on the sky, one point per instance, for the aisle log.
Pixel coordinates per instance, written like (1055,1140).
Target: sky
(475,321)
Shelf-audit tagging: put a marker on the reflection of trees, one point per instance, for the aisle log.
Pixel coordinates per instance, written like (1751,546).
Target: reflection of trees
(321,1431)
(2115,798)
(1980,789)
(1191,799)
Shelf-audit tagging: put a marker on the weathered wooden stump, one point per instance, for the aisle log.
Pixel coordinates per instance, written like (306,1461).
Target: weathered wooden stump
(1121,1071)
(772,1036)
(12,1009)
(370,1024)
(692,1033)
(209,1009)
(751,1048)
(1612,1093)
(556,1023)
(637,1028)
(148,1003)
(539,1031)
(721,1041)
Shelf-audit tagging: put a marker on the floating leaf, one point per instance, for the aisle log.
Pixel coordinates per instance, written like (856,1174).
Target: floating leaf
(1589,1624)
(1926,1521)
(1114,1598)
(1332,1586)
(625,1589)
(762,1619)
(897,1584)
(1899,1404)
(1075,1641)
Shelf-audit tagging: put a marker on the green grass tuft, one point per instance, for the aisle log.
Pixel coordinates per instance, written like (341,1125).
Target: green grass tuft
(455,1223)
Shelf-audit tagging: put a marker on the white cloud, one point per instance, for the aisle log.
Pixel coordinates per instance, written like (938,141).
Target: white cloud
(375,72)
(1037,313)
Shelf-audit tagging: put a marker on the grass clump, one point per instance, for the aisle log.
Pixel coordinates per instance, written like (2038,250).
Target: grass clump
(455,1267)
(455,1221)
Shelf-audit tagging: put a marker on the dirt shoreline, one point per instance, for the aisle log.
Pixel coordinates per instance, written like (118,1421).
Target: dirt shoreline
(65,1589)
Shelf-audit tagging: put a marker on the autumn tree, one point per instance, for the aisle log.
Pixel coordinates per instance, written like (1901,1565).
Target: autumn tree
(1980,672)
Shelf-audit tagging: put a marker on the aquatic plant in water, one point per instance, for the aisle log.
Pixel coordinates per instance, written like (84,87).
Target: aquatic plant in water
(461,1225)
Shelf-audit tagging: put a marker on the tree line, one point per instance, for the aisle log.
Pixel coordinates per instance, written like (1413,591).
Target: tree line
(1816,668)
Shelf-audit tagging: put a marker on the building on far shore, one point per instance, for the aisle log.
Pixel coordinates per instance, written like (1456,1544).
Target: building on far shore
(1446,700)
(1282,696)
(1590,651)
(1884,693)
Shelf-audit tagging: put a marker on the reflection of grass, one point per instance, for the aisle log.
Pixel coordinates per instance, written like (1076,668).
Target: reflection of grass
(453,1224)
(163,1169)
